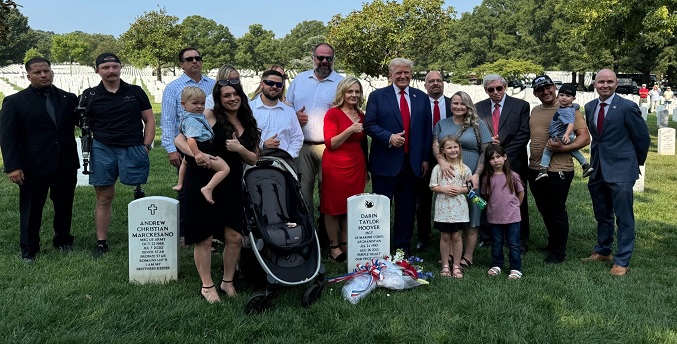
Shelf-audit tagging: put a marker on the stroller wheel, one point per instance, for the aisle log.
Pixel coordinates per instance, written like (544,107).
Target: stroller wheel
(257,303)
(312,294)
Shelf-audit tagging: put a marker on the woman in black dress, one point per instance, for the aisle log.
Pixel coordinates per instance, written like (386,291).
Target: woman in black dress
(236,138)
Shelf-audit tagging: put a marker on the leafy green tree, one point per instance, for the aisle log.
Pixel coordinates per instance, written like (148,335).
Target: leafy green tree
(6,8)
(42,42)
(18,38)
(509,69)
(214,41)
(257,49)
(153,39)
(70,47)
(31,53)
(99,44)
(297,44)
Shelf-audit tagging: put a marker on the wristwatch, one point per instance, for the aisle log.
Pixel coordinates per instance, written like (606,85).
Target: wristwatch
(149,146)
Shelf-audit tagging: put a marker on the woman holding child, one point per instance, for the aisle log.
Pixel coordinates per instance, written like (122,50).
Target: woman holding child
(235,140)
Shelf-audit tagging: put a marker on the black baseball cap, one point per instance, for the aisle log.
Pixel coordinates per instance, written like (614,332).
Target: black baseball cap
(540,81)
(107,57)
(568,89)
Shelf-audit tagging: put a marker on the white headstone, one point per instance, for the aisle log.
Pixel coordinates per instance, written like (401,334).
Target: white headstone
(662,117)
(674,115)
(666,141)
(645,111)
(153,239)
(368,228)
(639,183)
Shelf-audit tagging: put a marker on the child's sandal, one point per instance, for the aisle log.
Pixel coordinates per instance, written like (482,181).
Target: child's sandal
(494,271)
(458,274)
(445,272)
(515,275)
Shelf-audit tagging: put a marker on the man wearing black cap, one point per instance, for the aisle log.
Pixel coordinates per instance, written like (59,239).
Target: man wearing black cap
(551,193)
(124,129)
(562,129)
(40,155)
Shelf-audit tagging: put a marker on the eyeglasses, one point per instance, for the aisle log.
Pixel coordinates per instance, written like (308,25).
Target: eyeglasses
(492,89)
(228,82)
(192,58)
(272,83)
(322,58)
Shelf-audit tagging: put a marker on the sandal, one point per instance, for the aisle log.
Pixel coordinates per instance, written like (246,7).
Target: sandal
(208,297)
(341,258)
(225,291)
(494,271)
(458,274)
(515,275)
(445,272)
(465,263)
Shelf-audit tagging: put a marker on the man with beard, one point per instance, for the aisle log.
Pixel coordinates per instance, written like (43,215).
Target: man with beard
(40,155)
(279,125)
(551,193)
(123,124)
(311,94)
(399,122)
(508,120)
(440,108)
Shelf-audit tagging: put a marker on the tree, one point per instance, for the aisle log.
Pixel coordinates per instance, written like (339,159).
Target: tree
(18,38)
(42,42)
(297,44)
(257,49)
(70,48)
(31,53)
(99,44)
(214,41)
(6,8)
(153,39)
(509,69)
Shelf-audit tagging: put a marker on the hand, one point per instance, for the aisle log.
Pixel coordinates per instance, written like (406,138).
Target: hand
(565,139)
(234,144)
(356,127)
(271,142)
(424,168)
(554,145)
(174,159)
(475,180)
(495,140)
(301,115)
(16,176)
(451,191)
(446,169)
(397,140)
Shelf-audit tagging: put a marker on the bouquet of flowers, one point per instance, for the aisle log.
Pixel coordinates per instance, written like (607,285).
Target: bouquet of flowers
(395,274)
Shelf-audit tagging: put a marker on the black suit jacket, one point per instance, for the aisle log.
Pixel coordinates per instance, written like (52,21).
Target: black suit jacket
(513,129)
(30,139)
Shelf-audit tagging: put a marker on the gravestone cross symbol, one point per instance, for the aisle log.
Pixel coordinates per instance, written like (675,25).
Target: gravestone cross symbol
(152,209)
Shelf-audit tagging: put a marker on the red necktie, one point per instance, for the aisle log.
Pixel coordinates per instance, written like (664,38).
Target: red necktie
(436,113)
(600,118)
(404,111)
(496,116)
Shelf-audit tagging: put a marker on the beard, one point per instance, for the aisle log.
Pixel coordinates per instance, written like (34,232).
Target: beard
(323,70)
(270,96)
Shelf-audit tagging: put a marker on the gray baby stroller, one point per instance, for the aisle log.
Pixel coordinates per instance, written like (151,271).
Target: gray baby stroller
(280,230)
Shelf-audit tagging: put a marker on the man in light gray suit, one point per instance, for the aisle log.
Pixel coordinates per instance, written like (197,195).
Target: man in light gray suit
(620,143)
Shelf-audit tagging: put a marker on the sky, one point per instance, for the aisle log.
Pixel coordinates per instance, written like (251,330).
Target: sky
(114,17)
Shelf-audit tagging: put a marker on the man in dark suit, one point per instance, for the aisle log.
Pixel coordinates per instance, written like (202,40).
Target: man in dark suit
(399,121)
(511,131)
(441,108)
(39,152)
(620,143)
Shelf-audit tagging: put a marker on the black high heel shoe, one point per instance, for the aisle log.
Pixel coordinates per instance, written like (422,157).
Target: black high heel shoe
(341,258)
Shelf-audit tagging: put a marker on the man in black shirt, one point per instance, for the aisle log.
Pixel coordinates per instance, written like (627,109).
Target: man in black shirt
(124,129)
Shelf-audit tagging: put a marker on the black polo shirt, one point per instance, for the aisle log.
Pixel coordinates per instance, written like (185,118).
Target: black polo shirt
(116,117)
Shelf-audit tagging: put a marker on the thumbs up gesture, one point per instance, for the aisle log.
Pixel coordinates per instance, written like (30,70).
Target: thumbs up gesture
(271,142)
(234,145)
(397,140)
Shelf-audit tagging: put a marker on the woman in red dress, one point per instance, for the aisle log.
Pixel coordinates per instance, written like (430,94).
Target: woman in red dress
(344,163)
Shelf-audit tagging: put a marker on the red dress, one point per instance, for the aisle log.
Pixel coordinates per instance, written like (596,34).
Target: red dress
(344,169)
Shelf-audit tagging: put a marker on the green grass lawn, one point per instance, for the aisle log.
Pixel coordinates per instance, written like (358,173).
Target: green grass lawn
(71,298)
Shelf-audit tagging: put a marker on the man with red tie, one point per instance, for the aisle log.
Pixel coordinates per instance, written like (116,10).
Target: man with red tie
(399,121)
(440,107)
(508,120)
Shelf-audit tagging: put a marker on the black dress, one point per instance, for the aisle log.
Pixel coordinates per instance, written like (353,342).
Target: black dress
(202,218)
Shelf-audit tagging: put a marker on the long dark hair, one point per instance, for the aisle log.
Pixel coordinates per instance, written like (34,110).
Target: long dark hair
(489,170)
(244,114)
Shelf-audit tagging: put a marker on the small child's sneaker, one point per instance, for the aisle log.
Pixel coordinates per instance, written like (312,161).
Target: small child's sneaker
(587,170)
(543,173)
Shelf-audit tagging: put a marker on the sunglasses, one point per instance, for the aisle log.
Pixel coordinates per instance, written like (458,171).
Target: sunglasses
(192,58)
(492,89)
(322,58)
(273,83)
(229,82)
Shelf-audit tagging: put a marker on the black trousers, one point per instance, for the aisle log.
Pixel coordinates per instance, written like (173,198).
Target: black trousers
(551,195)
(32,198)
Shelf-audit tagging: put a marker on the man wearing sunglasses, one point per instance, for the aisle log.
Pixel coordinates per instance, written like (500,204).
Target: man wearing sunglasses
(190,61)
(279,125)
(508,120)
(311,94)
